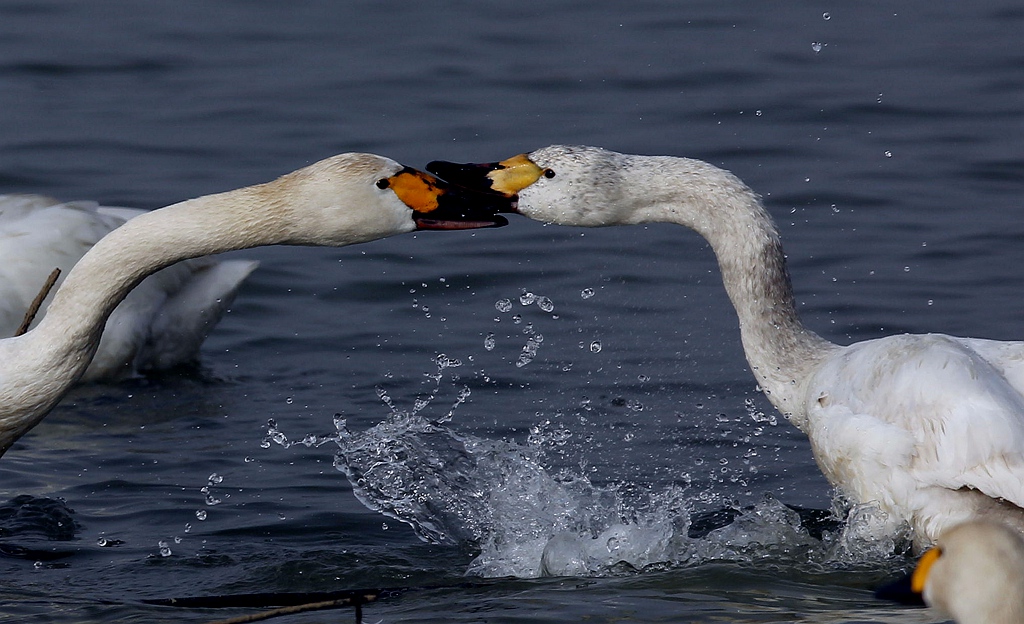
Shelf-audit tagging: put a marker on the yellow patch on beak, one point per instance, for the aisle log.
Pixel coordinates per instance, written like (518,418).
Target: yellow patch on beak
(514,174)
(924,566)
(416,189)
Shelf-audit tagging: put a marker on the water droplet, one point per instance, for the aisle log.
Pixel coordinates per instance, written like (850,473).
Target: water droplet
(517,319)
(102,542)
(906,269)
(931,302)
(587,293)
(758,112)
(817,46)
(527,298)
(188,527)
(888,154)
(215,479)
(489,342)
(503,305)
(200,514)
(165,550)
(595,347)
(545,304)
(643,378)
(289,400)
(879,98)
(826,16)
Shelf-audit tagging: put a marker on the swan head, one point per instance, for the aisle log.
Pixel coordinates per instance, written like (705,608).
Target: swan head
(974,573)
(563,184)
(351,198)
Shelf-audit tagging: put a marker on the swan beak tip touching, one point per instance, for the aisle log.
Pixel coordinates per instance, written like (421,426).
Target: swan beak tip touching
(506,178)
(438,205)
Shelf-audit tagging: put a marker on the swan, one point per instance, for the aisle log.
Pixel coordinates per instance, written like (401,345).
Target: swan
(974,574)
(342,200)
(159,325)
(929,428)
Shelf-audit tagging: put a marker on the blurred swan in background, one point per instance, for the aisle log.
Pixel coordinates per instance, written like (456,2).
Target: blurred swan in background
(159,325)
(928,427)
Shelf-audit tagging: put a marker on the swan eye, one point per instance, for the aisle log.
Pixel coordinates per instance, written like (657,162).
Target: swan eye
(383,183)
(549,173)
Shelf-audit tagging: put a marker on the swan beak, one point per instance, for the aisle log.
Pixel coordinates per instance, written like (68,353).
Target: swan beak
(507,177)
(437,205)
(909,590)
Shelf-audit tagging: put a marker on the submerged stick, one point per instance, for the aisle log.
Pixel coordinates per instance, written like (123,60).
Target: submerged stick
(356,602)
(37,303)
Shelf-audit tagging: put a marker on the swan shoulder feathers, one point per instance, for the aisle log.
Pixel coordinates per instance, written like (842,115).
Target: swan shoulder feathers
(919,420)
(160,324)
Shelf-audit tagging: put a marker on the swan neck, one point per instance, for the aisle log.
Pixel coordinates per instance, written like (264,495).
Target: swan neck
(781,351)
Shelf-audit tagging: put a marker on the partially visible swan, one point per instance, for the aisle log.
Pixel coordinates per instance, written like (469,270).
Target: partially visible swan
(159,325)
(974,574)
(345,199)
(930,427)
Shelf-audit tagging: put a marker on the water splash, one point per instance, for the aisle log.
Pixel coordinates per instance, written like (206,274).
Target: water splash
(501,498)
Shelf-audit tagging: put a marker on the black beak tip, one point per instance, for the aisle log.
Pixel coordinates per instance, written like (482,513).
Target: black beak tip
(470,175)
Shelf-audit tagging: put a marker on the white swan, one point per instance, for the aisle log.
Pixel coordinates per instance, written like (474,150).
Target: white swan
(346,199)
(930,427)
(159,325)
(974,574)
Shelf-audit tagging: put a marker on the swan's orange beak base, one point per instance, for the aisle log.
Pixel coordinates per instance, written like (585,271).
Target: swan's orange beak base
(437,205)
(507,177)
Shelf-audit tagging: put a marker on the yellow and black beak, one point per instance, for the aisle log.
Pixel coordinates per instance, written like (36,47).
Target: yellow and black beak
(507,177)
(909,590)
(438,205)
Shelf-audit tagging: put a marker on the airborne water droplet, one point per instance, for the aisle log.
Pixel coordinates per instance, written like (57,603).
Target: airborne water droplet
(817,46)
(587,293)
(503,305)
(489,342)
(595,347)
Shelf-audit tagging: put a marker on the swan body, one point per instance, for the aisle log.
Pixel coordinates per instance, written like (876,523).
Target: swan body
(974,574)
(159,325)
(345,199)
(928,427)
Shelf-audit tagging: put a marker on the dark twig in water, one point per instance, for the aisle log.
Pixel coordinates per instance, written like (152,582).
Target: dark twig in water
(287,604)
(356,602)
(37,303)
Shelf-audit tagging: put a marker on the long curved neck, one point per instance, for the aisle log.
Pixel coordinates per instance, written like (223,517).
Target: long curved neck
(53,356)
(780,350)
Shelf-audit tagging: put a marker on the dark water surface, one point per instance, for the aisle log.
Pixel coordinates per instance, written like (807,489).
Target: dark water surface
(885,137)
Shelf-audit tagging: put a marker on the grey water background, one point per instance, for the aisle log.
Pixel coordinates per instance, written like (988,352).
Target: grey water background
(885,138)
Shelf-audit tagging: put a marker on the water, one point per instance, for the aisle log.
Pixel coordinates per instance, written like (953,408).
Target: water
(601,411)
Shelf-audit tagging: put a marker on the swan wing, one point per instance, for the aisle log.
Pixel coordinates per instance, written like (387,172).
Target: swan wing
(908,413)
(160,324)
(37,235)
